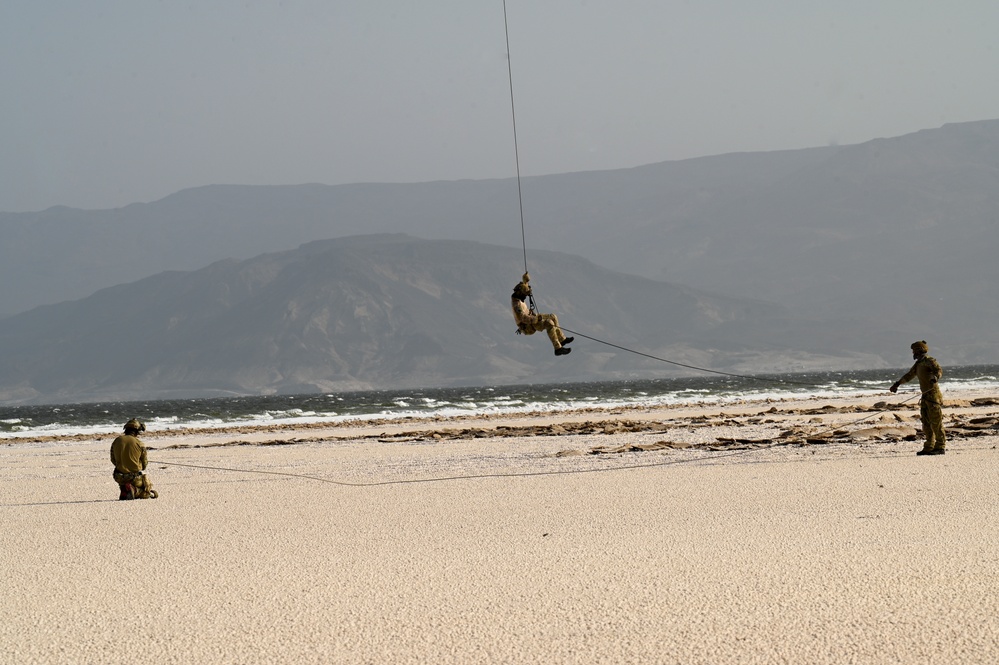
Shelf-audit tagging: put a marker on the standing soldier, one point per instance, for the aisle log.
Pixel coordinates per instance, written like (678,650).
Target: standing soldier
(928,371)
(530,322)
(128,454)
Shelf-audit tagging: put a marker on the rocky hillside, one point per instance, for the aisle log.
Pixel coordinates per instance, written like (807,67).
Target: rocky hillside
(379,312)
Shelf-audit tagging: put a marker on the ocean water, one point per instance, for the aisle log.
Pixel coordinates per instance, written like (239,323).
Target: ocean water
(29,421)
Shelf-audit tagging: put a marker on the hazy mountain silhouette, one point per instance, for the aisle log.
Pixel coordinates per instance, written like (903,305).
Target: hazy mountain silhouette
(64,253)
(693,220)
(381,311)
(884,241)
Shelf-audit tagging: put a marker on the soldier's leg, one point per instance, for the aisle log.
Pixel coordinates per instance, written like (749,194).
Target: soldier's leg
(550,324)
(924,417)
(558,330)
(144,488)
(935,414)
(126,492)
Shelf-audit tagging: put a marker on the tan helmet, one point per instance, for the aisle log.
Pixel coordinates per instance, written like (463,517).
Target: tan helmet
(135,425)
(521,289)
(920,346)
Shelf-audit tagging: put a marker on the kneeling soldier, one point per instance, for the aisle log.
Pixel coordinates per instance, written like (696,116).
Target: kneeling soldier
(128,454)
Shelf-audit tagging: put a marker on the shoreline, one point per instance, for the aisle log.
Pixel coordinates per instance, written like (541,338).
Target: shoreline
(771,531)
(968,404)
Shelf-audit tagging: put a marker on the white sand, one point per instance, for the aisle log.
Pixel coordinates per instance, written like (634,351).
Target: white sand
(839,553)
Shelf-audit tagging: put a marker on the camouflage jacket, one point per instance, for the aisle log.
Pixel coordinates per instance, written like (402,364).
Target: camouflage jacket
(521,313)
(928,371)
(128,454)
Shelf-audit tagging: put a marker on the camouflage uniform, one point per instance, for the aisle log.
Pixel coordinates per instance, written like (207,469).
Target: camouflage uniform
(529,322)
(128,454)
(928,371)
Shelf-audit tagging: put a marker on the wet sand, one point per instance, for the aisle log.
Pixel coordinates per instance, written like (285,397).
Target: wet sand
(762,532)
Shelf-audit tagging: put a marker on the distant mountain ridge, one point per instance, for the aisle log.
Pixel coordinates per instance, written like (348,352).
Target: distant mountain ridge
(64,253)
(382,311)
(689,221)
(874,244)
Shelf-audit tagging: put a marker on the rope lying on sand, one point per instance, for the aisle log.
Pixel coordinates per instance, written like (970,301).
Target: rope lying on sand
(725,446)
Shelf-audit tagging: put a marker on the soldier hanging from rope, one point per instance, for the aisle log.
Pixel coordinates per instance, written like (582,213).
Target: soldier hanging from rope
(530,321)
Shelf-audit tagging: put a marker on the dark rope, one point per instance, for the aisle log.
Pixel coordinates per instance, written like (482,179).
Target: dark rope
(523,474)
(413,481)
(519,474)
(516,149)
(679,364)
(523,234)
(714,371)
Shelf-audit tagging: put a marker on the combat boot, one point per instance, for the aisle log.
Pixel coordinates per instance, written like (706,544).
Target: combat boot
(563,351)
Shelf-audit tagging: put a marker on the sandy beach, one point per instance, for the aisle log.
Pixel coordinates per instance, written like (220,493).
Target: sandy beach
(759,532)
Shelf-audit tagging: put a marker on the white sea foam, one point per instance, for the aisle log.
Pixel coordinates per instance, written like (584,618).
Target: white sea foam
(478,401)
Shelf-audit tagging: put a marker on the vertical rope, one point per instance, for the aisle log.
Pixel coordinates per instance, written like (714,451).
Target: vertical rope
(516,149)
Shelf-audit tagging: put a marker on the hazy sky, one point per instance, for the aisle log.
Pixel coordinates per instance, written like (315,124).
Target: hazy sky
(105,103)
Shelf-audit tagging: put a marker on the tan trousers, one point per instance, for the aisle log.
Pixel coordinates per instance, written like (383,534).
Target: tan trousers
(931,413)
(134,486)
(548,323)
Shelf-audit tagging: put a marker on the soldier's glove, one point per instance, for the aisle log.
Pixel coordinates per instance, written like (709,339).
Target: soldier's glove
(894,387)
